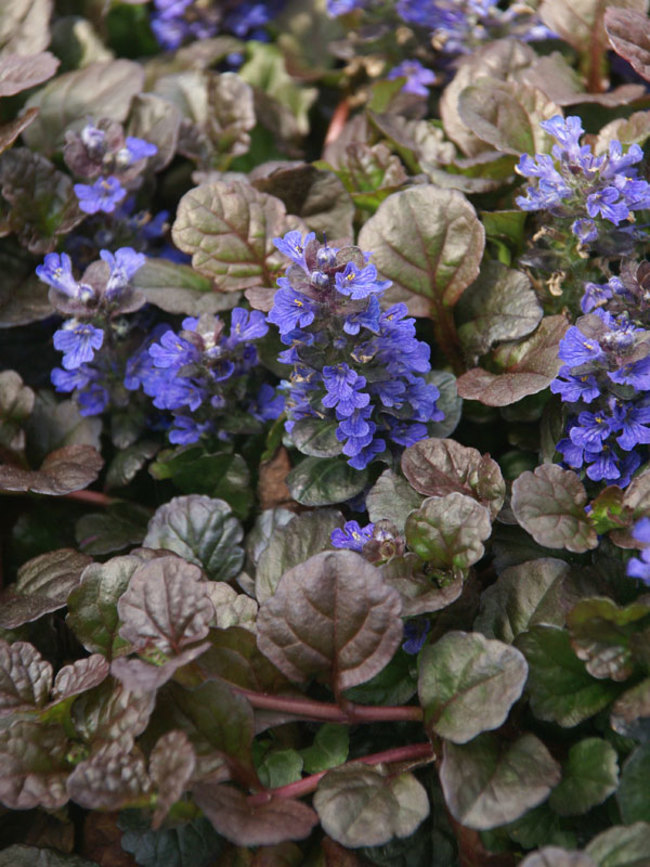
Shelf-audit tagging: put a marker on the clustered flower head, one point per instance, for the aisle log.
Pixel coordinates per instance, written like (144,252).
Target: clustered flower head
(175,22)
(114,161)
(606,378)
(593,193)
(93,304)
(351,362)
(201,375)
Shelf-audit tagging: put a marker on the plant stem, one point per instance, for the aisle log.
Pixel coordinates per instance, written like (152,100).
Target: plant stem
(308,784)
(320,710)
(340,116)
(96,498)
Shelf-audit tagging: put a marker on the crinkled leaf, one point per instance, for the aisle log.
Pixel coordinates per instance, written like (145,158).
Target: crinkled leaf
(423,590)
(621,846)
(55,424)
(589,776)
(468,683)
(118,526)
(71,468)
(192,844)
(525,367)
(560,688)
(128,463)
(110,779)
(29,856)
(580,23)
(80,676)
(201,530)
(366,805)
(629,34)
(232,608)
(177,288)
(92,607)
(246,824)
(553,856)
(228,229)
(166,606)
(632,795)
(292,543)
(438,467)
(601,635)
(448,532)
(550,505)
(234,657)
(16,404)
(25,677)
(488,782)
(392,499)
(333,615)
(42,586)
(325,481)
(429,242)
(317,437)
(20,72)
(34,764)
(330,748)
(100,89)
(631,712)
(523,596)
(111,714)
(171,765)
(499,305)
(507,115)
(24,26)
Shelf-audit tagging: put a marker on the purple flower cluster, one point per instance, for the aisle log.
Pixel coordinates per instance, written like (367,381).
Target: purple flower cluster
(175,22)
(586,190)
(606,379)
(639,567)
(351,361)
(201,375)
(103,291)
(112,160)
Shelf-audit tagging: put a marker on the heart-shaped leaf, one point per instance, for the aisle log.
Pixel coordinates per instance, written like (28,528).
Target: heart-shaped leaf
(111,779)
(589,776)
(71,468)
(25,677)
(34,760)
(171,765)
(448,532)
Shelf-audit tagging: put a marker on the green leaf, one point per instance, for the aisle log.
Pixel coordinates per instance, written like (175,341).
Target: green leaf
(334,616)
(193,844)
(632,795)
(120,525)
(292,543)
(201,530)
(92,606)
(54,424)
(330,748)
(499,305)
(71,468)
(523,596)
(127,463)
(449,403)
(621,846)
(631,712)
(448,532)
(489,782)
(177,288)
(429,242)
(392,499)
(366,805)
(317,437)
(468,684)
(560,688)
(279,768)
(589,776)
(524,367)
(507,115)
(550,505)
(438,467)
(157,121)
(394,684)
(234,657)
(325,481)
(228,229)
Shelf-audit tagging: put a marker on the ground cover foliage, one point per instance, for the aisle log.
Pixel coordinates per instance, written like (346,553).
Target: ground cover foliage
(324,426)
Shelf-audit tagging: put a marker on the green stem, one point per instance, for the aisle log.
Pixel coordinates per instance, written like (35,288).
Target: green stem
(351,714)
(410,753)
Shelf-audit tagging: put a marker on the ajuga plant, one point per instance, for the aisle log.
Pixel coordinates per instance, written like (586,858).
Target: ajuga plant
(324,433)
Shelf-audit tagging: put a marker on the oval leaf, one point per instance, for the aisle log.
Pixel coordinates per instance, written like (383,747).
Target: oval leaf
(448,532)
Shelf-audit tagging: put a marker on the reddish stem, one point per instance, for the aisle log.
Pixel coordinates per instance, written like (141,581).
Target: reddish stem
(320,710)
(413,752)
(339,118)
(94,497)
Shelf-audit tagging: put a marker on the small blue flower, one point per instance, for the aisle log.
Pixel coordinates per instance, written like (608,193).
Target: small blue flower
(138,149)
(576,349)
(123,265)
(247,326)
(418,78)
(174,351)
(359,283)
(291,309)
(344,390)
(293,246)
(57,272)
(352,536)
(104,195)
(78,340)
(415,634)
(640,567)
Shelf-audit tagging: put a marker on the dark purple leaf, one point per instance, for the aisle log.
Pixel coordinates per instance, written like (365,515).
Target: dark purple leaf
(22,72)
(166,606)
(488,782)
(245,824)
(392,499)
(171,765)
(467,684)
(111,779)
(525,367)
(9,132)
(429,242)
(80,676)
(333,615)
(437,467)
(580,23)
(235,658)
(366,805)
(112,714)
(25,678)
(16,405)
(157,121)
(421,590)
(550,505)
(34,761)
(448,532)
(140,676)
(71,468)
(562,84)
